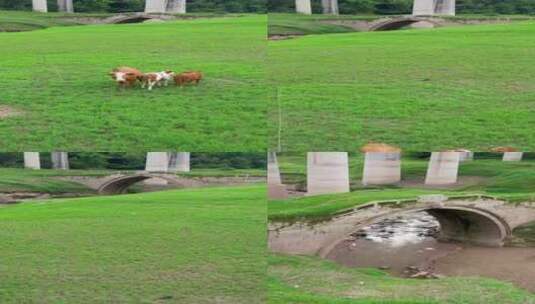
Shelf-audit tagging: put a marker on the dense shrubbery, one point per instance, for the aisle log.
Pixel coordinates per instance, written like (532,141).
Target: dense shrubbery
(114,6)
(136,161)
(405,6)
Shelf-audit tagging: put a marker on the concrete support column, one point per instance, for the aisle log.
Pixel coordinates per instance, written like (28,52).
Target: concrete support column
(445,7)
(65,6)
(32,160)
(40,6)
(423,8)
(466,156)
(276,190)
(512,156)
(330,7)
(157,162)
(327,172)
(176,6)
(381,168)
(155,6)
(179,161)
(443,168)
(60,160)
(303,7)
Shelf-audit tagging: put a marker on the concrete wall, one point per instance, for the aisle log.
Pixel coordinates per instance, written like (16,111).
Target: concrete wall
(512,156)
(60,160)
(179,161)
(381,168)
(466,156)
(423,8)
(330,7)
(445,7)
(40,6)
(157,162)
(176,6)
(442,169)
(276,190)
(303,7)
(65,6)
(32,160)
(433,7)
(327,172)
(155,6)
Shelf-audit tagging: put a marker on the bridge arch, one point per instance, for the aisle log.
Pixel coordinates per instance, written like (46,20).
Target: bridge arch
(398,23)
(120,184)
(457,223)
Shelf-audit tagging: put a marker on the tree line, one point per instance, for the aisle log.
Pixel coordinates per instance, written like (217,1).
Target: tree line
(120,6)
(397,7)
(136,161)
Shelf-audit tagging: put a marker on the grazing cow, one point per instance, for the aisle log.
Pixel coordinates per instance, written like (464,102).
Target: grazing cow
(126,76)
(157,78)
(188,77)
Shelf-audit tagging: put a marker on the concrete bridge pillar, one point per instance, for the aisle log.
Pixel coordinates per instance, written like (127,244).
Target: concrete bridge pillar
(60,160)
(443,168)
(445,7)
(423,8)
(179,161)
(465,155)
(40,6)
(303,7)
(276,190)
(327,172)
(155,6)
(32,160)
(381,168)
(330,7)
(157,162)
(512,156)
(176,6)
(65,6)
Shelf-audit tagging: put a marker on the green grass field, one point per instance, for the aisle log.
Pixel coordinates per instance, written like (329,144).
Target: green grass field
(310,280)
(188,246)
(45,181)
(58,84)
(424,90)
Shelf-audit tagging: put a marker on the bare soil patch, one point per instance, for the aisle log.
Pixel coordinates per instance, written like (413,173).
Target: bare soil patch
(6,112)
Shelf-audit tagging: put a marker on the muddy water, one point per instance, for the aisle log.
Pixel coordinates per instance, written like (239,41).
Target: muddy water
(408,244)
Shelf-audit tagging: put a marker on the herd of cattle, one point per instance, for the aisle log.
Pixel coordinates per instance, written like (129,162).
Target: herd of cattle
(128,77)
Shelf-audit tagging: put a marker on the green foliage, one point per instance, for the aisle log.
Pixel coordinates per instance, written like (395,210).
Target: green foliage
(117,6)
(136,161)
(386,7)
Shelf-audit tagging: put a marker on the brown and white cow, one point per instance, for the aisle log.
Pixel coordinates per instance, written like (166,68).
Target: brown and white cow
(126,76)
(188,77)
(157,78)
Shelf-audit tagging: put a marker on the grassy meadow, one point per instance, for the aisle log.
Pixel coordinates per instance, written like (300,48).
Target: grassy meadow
(185,246)
(62,96)
(424,90)
(300,279)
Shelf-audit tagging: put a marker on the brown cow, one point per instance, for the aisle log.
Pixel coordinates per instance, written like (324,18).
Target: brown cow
(188,77)
(126,76)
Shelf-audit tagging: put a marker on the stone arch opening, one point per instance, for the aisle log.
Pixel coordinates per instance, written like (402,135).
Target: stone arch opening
(397,24)
(135,19)
(460,224)
(119,185)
